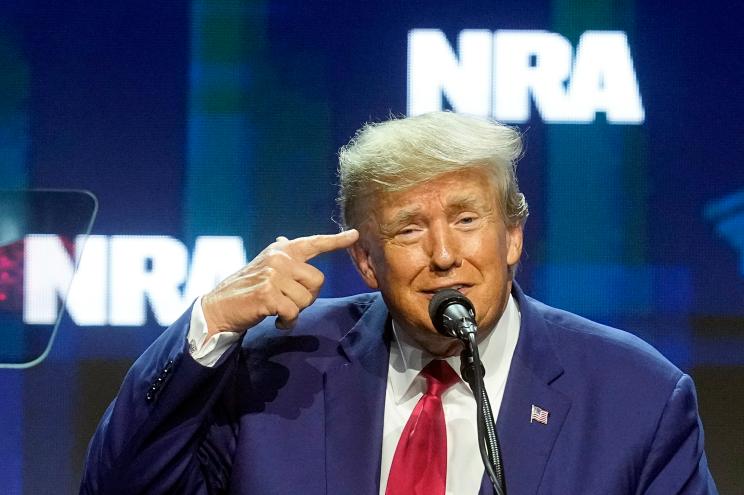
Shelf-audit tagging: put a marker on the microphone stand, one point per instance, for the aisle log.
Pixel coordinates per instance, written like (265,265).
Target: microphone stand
(472,371)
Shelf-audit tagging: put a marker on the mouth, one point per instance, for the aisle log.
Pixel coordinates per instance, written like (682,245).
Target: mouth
(462,288)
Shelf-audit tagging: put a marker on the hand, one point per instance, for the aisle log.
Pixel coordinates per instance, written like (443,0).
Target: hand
(278,281)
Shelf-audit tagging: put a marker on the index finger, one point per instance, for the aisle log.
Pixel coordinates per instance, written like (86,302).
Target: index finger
(305,248)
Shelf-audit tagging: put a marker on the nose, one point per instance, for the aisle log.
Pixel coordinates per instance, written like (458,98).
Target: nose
(444,251)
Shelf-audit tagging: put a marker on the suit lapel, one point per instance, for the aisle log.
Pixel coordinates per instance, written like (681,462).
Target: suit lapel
(526,445)
(486,486)
(355,404)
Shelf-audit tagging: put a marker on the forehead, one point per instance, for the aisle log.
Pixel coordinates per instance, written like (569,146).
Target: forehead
(468,188)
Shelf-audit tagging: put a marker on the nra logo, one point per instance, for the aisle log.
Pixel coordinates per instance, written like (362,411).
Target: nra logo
(499,73)
(119,277)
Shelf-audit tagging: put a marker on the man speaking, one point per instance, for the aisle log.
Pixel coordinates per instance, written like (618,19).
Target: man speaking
(261,389)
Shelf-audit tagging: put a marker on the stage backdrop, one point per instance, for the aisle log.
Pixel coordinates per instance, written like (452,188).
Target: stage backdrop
(207,128)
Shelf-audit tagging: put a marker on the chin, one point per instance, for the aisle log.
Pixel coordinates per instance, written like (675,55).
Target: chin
(436,344)
(451,348)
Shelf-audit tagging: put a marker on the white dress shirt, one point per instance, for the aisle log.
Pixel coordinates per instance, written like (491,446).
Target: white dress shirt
(405,387)
(209,352)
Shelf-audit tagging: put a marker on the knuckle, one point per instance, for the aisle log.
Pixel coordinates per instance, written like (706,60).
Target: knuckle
(309,299)
(267,272)
(270,258)
(313,277)
(264,290)
(275,255)
(291,312)
(270,308)
(314,292)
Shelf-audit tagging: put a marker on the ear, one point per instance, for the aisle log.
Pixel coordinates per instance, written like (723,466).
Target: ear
(514,237)
(362,259)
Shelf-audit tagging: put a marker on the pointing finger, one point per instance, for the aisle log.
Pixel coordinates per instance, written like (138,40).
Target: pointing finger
(305,248)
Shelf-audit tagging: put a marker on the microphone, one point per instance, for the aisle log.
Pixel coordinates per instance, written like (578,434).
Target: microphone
(453,314)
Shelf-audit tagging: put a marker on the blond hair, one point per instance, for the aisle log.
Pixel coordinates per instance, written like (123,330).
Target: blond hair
(403,152)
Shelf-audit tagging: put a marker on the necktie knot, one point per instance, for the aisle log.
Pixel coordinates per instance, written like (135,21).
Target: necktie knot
(439,377)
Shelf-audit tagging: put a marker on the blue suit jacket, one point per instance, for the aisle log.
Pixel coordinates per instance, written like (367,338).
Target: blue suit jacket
(302,412)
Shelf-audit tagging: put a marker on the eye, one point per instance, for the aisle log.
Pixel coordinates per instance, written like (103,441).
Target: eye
(411,229)
(467,219)
(408,232)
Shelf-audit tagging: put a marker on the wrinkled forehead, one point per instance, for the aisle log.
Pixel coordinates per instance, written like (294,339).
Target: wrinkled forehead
(449,193)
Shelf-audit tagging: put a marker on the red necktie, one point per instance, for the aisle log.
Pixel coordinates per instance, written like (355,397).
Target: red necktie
(420,462)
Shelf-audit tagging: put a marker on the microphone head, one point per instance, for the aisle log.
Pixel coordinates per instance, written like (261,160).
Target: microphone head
(447,308)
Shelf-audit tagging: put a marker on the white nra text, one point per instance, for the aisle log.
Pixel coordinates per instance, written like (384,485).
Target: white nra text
(118,276)
(499,74)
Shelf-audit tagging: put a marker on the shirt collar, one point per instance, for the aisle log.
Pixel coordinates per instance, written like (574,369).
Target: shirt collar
(407,360)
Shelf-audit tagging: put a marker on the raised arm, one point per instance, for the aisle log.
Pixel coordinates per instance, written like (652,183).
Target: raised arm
(173,426)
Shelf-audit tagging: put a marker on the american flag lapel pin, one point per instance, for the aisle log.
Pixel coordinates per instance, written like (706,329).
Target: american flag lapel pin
(538,414)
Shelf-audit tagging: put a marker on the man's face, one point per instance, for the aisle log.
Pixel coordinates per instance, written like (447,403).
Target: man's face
(446,233)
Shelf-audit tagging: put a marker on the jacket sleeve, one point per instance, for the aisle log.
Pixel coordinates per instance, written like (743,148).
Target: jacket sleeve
(172,427)
(676,462)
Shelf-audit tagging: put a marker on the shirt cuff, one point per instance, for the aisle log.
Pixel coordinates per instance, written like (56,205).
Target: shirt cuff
(206,352)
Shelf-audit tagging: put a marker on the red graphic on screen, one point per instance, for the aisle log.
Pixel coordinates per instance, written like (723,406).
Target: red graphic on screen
(12,262)
(11,277)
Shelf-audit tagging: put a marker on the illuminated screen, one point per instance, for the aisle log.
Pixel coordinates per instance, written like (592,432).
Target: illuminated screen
(205,129)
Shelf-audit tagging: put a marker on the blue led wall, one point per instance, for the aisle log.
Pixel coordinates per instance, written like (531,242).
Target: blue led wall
(223,118)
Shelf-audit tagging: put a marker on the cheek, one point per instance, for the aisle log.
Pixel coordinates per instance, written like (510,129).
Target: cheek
(488,248)
(399,264)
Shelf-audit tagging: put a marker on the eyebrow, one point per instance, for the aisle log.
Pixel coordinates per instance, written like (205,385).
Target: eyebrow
(402,217)
(465,202)
(408,215)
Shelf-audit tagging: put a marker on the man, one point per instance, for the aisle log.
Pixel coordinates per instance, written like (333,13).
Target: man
(329,400)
